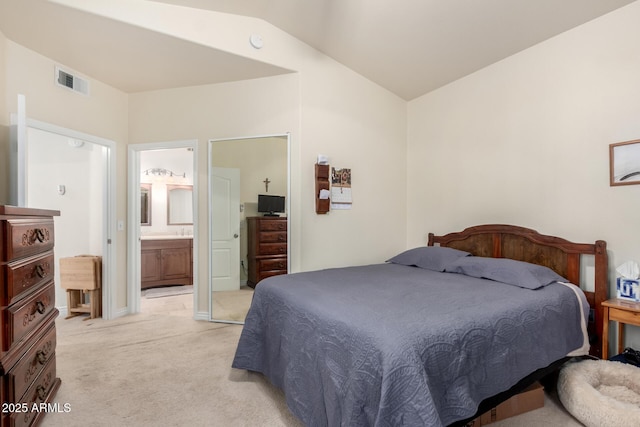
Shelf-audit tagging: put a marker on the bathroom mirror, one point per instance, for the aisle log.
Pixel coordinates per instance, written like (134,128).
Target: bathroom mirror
(179,205)
(145,204)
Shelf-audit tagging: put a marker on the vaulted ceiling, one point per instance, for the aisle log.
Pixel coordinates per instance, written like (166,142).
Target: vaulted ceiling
(409,47)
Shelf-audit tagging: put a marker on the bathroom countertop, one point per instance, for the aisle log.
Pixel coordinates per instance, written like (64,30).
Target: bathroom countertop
(166,237)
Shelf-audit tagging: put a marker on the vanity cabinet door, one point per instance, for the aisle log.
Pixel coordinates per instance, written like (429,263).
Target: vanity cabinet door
(166,263)
(150,260)
(176,263)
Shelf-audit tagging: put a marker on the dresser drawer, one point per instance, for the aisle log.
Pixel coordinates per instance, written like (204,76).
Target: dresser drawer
(26,237)
(31,365)
(273,264)
(273,225)
(39,392)
(266,248)
(20,318)
(272,249)
(625,316)
(27,314)
(273,237)
(24,275)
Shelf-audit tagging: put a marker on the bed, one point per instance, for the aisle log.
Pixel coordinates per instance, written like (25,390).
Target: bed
(433,337)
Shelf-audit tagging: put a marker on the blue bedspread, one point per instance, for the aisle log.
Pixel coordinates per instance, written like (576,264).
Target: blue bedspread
(389,345)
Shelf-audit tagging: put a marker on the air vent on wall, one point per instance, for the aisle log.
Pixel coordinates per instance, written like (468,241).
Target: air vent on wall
(71,81)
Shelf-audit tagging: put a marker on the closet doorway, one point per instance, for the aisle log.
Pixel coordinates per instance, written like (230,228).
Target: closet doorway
(240,170)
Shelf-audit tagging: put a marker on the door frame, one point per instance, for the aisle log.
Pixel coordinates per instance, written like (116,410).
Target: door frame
(109,201)
(286,135)
(133,218)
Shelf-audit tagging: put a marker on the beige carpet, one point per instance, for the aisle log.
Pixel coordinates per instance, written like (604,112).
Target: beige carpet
(227,305)
(155,369)
(178,305)
(150,370)
(167,291)
(232,305)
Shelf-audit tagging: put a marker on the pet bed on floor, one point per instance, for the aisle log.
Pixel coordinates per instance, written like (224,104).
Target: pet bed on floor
(601,392)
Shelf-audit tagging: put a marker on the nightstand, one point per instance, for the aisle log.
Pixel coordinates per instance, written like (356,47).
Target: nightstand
(623,312)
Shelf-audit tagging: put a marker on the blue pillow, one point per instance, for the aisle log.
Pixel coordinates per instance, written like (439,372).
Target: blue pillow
(504,270)
(428,257)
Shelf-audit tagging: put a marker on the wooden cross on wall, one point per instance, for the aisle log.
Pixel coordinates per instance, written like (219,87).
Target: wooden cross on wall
(266,184)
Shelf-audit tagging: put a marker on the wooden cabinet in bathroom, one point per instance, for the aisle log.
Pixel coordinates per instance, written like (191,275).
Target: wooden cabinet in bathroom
(166,262)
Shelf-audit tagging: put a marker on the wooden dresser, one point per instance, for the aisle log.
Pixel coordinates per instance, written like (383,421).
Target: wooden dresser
(166,262)
(27,302)
(266,247)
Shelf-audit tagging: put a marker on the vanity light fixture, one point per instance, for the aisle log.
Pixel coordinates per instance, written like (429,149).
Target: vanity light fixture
(163,172)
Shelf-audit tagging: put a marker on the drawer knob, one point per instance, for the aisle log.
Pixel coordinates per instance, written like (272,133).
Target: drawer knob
(41,392)
(40,271)
(41,357)
(39,234)
(40,307)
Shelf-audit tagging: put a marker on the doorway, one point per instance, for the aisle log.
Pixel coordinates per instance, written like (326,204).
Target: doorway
(163,222)
(241,169)
(72,172)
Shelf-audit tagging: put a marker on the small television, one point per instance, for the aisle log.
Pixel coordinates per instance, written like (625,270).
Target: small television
(270,205)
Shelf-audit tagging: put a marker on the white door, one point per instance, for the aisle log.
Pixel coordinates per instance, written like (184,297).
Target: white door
(225,230)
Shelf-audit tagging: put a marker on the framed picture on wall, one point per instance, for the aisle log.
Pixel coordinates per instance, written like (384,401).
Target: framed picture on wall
(624,163)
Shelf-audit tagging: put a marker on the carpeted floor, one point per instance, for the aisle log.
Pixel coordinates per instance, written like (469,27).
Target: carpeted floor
(149,370)
(167,291)
(232,305)
(158,369)
(178,301)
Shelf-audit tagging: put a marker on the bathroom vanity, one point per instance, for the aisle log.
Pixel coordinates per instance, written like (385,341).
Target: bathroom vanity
(166,261)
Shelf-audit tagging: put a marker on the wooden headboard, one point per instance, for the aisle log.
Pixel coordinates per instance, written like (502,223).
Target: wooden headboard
(525,244)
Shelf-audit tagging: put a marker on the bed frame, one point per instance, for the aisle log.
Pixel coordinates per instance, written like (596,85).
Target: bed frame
(562,256)
(525,244)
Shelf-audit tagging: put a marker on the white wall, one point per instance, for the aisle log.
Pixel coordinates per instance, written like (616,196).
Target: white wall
(525,141)
(333,111)
(103,114)
(4,115)
(53,162)
(4,127)
(362,127)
